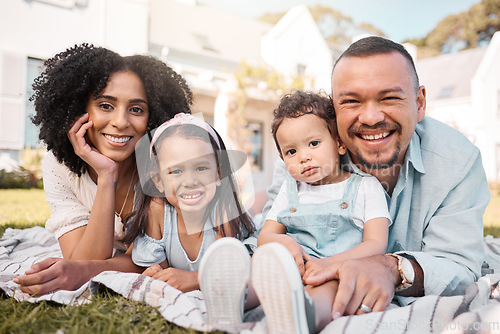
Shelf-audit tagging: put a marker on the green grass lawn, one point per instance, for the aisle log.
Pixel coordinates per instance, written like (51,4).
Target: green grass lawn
(107,313)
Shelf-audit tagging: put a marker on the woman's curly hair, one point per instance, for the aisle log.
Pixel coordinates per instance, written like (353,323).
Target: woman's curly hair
(70,78)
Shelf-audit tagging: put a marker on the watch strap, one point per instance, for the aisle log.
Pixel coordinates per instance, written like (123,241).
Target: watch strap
(405,282)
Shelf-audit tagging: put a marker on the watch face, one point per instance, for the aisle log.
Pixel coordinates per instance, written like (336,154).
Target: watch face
(408,270)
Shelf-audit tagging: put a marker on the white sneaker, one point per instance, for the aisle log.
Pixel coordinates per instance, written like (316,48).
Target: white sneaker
(223,276)
(277,282)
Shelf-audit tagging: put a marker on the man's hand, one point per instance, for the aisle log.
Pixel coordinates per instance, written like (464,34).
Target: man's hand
(369,281)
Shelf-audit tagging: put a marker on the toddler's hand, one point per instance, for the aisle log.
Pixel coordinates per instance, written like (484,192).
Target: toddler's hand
(297,252)
(315,266)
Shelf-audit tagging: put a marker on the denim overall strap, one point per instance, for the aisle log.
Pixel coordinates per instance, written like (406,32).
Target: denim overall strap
(351,190)
(293,194)
(322,229)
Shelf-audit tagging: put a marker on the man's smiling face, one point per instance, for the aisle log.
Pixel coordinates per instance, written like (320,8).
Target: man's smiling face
(377,108)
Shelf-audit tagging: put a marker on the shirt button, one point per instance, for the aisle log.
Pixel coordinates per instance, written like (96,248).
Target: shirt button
(344,205)
(292,210)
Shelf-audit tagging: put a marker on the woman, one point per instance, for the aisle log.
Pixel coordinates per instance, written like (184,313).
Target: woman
(92,106)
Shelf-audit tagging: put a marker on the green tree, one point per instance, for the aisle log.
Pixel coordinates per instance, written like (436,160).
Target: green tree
(466,30)
(337,28)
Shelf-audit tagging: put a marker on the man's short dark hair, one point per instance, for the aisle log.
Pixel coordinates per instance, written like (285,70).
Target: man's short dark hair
(374,45)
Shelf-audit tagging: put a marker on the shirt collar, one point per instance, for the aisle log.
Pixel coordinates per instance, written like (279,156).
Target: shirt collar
(414,155)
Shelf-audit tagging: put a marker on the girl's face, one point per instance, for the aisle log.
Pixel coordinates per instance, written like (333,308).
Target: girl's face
(120,116)
(189,175)
(310,153)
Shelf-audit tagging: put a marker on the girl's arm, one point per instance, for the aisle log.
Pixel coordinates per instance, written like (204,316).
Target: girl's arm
(154,229)
(375,236)
(93,241)
(272,231)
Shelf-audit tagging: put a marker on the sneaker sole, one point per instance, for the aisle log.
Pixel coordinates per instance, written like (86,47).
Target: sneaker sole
(277,282)
(224,274)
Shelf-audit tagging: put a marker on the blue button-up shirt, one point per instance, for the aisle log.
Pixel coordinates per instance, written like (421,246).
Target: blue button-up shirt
(437,207)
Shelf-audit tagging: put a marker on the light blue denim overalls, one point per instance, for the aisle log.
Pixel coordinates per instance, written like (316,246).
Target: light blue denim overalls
(323,229)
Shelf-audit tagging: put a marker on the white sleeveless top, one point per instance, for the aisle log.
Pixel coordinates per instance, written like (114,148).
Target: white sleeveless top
(147,251)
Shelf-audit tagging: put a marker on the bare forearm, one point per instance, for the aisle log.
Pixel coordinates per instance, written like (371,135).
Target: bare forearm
(121,263)
(97,240)
(267,237)
(364,249)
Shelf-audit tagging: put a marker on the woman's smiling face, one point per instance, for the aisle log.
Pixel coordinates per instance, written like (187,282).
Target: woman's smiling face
(119,114)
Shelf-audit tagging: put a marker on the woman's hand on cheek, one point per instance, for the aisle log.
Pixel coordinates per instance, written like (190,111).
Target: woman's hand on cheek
(100,163)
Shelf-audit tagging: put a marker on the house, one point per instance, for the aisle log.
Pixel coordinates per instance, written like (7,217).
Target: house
(463,91)
(205,45)
(37,29)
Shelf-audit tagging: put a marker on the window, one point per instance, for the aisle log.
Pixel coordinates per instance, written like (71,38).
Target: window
(256,141)
(497,161)
(204,42)
(445,92)
(498,104)
(301,69)
(30,130)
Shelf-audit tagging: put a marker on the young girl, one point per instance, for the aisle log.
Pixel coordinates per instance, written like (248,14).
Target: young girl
(189,167)
(322,216)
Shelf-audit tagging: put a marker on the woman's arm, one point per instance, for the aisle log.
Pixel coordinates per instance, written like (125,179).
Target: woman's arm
(54,274)
(93,241)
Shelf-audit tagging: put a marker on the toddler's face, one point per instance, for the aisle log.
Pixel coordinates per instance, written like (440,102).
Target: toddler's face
(188,173)
(310,153)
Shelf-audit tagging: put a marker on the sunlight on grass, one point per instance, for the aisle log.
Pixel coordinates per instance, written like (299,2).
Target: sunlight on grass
(28,207)
(22,206)
(492,214)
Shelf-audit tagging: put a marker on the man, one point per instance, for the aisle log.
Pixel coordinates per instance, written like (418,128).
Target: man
(435,183)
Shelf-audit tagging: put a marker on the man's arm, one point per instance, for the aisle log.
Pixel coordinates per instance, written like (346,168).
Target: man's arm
(453,246)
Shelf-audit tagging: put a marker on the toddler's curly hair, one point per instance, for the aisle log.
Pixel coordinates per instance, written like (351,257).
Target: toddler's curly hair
(71,77)
(301,103)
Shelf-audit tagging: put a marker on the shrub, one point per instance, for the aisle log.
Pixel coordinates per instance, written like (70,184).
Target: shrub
(21,179)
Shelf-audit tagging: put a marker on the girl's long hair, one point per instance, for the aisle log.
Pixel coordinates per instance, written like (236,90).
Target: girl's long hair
(226,201)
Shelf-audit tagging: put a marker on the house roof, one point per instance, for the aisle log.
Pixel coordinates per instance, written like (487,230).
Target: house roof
(206,31)
(449,76)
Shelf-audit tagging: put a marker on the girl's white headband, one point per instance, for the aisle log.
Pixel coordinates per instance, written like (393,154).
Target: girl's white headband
(182,119)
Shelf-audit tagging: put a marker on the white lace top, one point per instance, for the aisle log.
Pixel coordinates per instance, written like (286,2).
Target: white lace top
(70,199)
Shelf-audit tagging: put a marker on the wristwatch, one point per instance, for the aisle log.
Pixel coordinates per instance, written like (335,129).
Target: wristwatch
(406,272)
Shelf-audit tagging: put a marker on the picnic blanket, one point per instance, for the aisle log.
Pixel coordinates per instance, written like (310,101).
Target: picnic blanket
(477,311)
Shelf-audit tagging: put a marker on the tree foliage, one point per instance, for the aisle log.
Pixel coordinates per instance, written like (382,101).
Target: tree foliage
(337,28)
(470,29)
